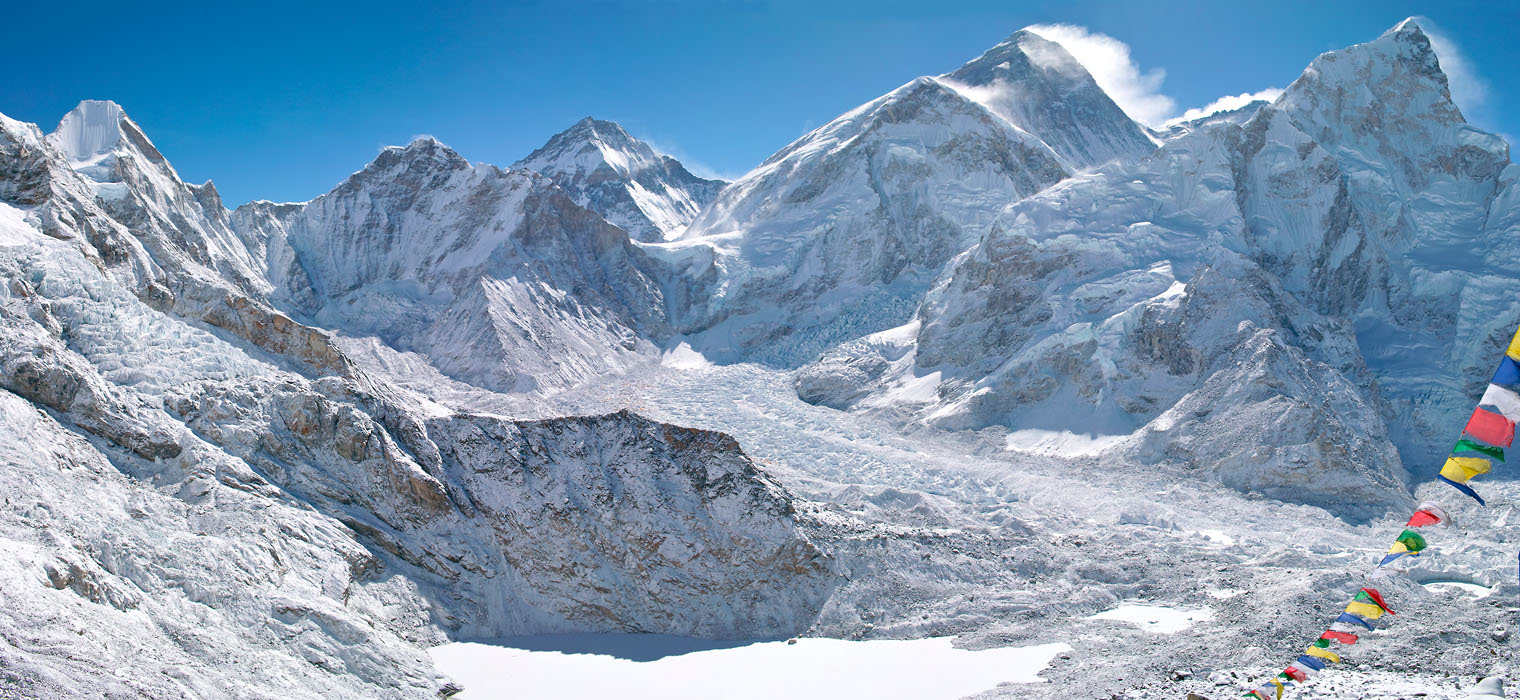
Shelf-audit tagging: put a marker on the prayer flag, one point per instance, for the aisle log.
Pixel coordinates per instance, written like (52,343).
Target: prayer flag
(1491,428)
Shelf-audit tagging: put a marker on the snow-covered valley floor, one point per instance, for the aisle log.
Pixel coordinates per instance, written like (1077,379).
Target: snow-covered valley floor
(950,534)
(570,667)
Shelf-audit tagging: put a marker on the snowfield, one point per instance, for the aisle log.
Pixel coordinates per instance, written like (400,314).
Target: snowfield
(919,669)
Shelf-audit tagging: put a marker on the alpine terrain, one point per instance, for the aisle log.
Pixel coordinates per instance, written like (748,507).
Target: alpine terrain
(982,357)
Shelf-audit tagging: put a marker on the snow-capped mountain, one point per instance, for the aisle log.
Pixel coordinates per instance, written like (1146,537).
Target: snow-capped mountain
(647,194)
(1037,86)
(840,233)
(495,275)
(1278,265)
(1004,360)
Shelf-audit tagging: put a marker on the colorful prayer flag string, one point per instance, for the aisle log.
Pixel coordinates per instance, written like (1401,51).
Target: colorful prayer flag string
(1489,430)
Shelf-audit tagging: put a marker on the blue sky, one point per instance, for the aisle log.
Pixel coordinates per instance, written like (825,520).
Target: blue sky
(282,101)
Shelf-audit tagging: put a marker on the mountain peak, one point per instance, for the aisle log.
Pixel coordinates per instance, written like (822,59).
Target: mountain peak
(421,149)
(1409,26)
(1024,55)
(588,145)
(92,128)
(1398,75)
(604,168)
(599,127)
(208,197)
(1037,85)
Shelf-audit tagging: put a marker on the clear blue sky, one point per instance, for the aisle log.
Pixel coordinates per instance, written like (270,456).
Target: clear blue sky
(281,101)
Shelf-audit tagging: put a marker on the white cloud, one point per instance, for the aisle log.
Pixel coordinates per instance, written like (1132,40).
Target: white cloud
(1469,91)
(1136,92)
(1227,103)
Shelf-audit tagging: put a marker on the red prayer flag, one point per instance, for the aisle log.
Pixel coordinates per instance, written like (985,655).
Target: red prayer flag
(1378,598)
(1297,675)
(1421,518)
(1491,428)
(1342,637)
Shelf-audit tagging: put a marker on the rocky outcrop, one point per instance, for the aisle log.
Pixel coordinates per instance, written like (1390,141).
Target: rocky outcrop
(609,523)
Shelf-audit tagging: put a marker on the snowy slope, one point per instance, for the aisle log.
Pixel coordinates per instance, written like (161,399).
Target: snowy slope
(647,194)
(98,181)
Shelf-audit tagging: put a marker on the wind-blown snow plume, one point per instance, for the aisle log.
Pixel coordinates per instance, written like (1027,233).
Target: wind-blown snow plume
(1468,89)
(1227,103)
(1137,92)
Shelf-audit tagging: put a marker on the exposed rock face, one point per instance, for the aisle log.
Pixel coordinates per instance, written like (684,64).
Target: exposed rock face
(573,524)
(687,536)
(601,167)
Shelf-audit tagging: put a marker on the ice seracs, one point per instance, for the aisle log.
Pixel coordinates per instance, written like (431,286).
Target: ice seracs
(648,194)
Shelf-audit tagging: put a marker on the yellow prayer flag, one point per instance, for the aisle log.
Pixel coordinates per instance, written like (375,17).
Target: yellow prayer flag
(1514,347)
(1366,610)
(1325,654)
(1460,469)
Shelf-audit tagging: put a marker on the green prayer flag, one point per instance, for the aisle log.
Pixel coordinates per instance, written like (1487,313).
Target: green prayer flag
(1412,540)
(1465,445)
